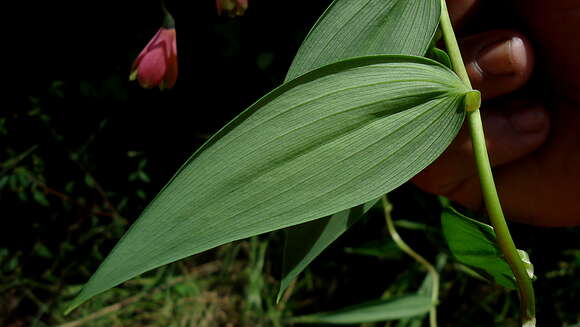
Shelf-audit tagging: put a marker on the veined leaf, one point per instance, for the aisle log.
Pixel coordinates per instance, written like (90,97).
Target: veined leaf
(473,243)
(329,140)
(380,310)
(367,27)
(343,31)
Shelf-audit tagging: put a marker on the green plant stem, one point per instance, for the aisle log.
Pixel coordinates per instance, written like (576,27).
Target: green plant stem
(407,249)
(490,196)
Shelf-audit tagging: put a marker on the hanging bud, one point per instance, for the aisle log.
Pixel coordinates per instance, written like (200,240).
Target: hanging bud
(231,7)
(156,65)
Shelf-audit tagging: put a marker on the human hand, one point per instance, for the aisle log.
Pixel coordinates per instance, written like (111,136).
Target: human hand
(533,138)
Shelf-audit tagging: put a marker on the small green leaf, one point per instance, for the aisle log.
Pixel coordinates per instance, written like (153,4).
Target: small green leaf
(141,194)
(89,181)
(3,181)
(23,176)
(473,243)
(40,198)
(12,264)
(379,310)
(42,251)
(440,56)
(332,139)
(143,176)
(527,263)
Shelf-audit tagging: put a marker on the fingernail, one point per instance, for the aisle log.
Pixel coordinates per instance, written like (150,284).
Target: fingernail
(503,58)
(529,120)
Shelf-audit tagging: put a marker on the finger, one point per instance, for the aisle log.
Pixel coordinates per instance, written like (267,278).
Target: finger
(498,62)
(460,10)
(542,189)
(510,135)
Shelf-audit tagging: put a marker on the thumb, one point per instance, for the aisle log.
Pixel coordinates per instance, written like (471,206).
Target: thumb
(498,62)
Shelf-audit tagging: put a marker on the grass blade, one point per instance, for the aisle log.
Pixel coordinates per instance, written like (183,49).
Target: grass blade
(379,310)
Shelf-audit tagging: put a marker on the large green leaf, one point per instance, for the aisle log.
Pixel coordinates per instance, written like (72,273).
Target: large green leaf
(473,243)
(365,27)
(379,310)
(329,140)
(351,29)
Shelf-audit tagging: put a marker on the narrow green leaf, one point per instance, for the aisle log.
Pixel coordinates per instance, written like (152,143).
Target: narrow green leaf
(440,56)
(327,141)
(304,244)
(379,310)
(473,243)
(343,31)
(367,27)
(527,263)
(40,198)
(42,251)
(426,289)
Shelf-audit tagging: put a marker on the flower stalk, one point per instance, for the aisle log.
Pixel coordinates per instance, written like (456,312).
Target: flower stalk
(489,191)
(410,252)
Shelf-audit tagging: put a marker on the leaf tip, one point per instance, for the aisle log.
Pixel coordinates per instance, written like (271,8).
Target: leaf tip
(283,288)
(279,296)
(75,303)
(71,306)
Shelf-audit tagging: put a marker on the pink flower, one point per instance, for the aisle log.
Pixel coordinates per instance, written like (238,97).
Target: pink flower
(232,7)
(156,65)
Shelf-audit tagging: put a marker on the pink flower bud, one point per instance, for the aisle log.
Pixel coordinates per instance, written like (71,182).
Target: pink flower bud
(231,7)
(156,65)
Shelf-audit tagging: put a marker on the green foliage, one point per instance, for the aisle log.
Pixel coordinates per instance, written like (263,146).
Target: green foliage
(70,171)
(473,243)
(352,29)
(379,310)
(231,288)
(439,56)
(56,224)
(297,154)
